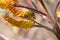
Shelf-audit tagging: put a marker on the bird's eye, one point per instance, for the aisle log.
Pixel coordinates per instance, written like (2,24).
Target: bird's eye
(25,16)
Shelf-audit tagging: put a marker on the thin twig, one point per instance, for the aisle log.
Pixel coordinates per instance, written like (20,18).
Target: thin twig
(51,30)
(33,4)
(41,1)
(31,9)
(48,15)
(56,27)
(55,16)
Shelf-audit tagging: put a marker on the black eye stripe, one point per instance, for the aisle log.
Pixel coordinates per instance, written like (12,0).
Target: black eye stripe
(25,16)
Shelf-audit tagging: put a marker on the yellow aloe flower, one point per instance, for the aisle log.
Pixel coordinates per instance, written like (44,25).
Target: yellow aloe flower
(58,14)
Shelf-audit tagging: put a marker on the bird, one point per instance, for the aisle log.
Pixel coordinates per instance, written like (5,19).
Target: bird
(25,23)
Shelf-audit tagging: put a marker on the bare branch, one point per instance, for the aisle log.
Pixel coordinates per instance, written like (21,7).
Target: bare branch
(33,4)
(48,15)
(51,30)
(56,26)
(56,10)
(34,10)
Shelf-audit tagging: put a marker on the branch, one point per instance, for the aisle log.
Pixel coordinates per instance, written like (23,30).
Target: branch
(47,28)
(56,9)
(48,15)
(41,1)
(34,10)
(33,4)
(56,26)
(51,30)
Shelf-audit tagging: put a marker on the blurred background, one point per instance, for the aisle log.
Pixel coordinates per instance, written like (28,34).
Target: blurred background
(10,32)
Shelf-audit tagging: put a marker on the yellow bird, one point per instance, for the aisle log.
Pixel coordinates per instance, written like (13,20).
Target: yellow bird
(9,5)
